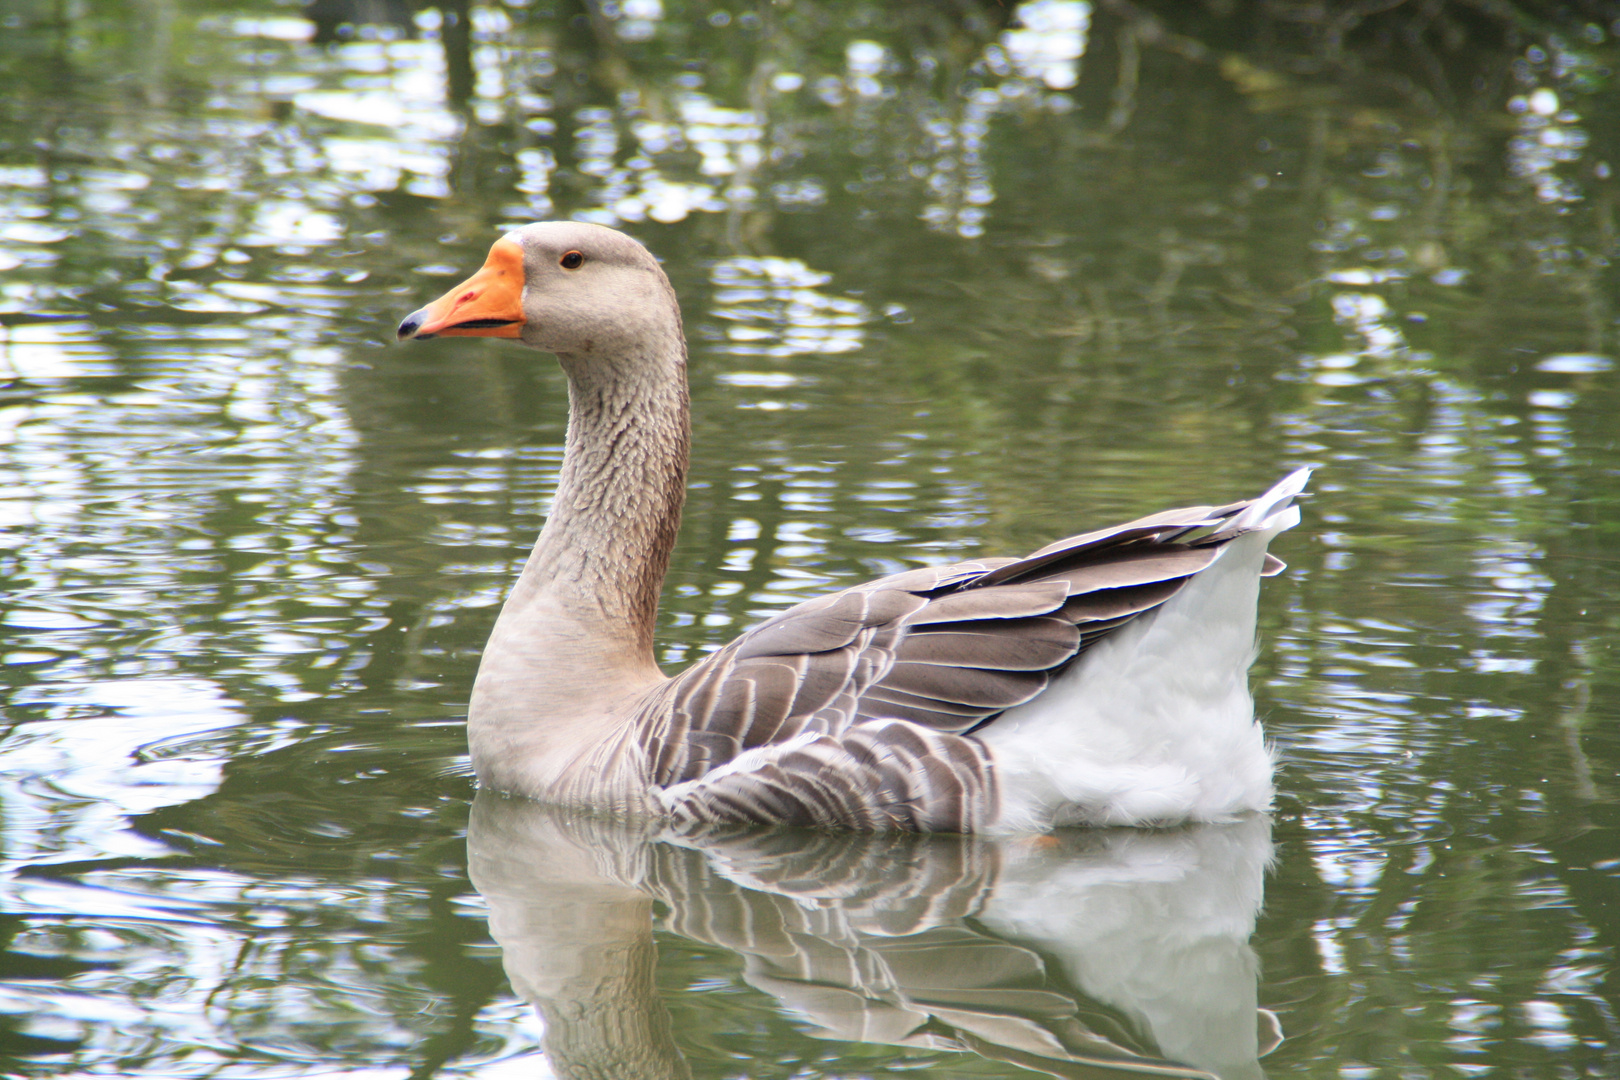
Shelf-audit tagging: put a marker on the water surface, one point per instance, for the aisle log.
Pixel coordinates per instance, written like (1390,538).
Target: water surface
(959,278)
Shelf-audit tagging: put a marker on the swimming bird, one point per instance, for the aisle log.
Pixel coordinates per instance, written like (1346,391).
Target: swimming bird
(1101,680)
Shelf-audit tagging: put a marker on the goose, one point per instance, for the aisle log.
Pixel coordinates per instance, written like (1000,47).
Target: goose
(1102,680)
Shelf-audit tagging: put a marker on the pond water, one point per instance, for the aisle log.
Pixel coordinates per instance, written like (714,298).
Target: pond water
(959,278)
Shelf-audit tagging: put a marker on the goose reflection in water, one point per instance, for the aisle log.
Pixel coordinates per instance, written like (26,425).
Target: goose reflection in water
(1080,953)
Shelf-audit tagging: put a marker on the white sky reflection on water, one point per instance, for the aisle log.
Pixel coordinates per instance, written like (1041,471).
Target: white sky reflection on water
(776,307)
(79,778)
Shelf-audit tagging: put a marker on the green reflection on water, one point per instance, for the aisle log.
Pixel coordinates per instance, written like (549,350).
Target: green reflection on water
(951,289)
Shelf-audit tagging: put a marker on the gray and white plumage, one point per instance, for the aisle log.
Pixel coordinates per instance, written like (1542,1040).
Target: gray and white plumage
(1101,679)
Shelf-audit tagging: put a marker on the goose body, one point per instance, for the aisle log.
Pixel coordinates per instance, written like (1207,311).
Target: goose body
(1100,680)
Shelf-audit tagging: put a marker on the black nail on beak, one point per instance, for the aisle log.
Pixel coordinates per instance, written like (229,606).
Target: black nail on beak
(408,328)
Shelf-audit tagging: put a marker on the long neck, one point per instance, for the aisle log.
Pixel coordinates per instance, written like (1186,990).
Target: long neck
(602,555)
(573,645)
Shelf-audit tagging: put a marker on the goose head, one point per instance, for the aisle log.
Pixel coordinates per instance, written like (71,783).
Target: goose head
(563,287)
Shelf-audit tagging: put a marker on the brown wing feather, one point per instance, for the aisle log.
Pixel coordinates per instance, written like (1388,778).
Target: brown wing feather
(931,712)
(825,627)
(1036,644)
(1015,601)
(765,695)
(982,688)
(1167,525)
(1120,568)
(1119,603)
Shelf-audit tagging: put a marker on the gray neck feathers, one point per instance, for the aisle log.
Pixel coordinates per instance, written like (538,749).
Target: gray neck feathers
(600,561)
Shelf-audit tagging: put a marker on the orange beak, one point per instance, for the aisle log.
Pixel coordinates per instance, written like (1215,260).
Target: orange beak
(488,304)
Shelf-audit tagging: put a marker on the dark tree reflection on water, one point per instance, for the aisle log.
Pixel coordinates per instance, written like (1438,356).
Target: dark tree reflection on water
(960,277)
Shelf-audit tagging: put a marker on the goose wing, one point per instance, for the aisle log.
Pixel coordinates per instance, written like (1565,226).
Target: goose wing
(854,708)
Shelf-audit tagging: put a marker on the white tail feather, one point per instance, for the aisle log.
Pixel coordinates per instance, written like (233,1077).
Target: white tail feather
(1274,510)
(1155,723)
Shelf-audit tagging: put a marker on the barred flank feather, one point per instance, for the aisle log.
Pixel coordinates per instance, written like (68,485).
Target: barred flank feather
(880,776)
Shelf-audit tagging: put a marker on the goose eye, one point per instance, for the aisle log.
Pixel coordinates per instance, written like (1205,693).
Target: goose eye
(571,260)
